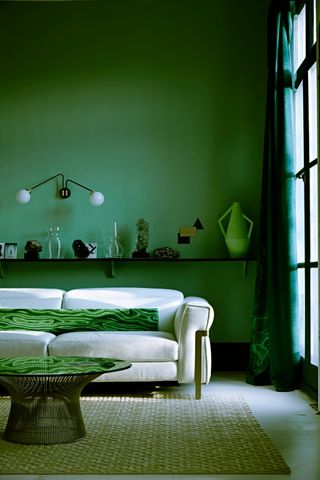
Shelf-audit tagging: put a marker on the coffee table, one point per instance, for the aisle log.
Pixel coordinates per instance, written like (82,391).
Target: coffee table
(45,395)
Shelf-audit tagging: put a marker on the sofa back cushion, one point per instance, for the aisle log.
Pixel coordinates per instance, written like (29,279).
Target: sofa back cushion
(78,320)
(166,301)
(31,297)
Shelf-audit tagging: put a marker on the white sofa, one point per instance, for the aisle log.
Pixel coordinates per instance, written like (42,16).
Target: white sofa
(173,353)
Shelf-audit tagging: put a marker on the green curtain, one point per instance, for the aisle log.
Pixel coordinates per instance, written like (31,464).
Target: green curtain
(274,353)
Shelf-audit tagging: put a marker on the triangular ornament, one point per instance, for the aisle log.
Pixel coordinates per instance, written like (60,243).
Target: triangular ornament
(198,224)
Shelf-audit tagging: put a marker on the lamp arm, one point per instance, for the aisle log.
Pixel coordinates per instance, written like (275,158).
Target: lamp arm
(48,180)
(79,185)
(96,198)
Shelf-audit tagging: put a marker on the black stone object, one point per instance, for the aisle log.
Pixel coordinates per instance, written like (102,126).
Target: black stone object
(80,249)
(140,254)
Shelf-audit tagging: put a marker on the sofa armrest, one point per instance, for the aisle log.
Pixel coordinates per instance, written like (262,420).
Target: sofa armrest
(194,314)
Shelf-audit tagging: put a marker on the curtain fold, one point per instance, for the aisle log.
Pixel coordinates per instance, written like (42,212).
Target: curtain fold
(274,352)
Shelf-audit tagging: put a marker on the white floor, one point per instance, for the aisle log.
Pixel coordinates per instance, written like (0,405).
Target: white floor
(288,418)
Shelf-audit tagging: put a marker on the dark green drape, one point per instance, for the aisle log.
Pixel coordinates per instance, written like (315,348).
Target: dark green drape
(274,353)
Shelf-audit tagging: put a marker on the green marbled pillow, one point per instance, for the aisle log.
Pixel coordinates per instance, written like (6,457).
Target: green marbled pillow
(79,320)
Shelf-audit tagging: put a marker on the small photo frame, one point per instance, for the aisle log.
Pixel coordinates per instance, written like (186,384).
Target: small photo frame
(93,248)
(2,246)
(10,250)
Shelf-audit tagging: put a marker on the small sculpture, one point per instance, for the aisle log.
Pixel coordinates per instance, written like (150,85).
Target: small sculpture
(32,249)
(80,249)
(142,239)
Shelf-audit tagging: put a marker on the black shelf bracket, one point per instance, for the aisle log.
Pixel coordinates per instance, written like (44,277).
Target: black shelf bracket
(2,271)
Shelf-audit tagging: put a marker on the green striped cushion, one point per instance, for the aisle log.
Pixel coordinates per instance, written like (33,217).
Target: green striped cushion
(79,320)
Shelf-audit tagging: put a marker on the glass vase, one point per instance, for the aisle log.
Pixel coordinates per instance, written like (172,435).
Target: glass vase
(54,243)
(114,248)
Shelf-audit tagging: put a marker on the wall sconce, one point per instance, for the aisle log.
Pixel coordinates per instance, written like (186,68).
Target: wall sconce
(96,198)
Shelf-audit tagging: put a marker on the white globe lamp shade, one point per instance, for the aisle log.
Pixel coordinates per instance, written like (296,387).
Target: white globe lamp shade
(96,199)
(23,196)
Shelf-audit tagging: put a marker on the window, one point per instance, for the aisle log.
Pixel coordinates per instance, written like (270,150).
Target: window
(306,171)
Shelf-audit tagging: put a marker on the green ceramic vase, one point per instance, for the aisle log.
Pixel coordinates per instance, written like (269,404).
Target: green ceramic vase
(236,228)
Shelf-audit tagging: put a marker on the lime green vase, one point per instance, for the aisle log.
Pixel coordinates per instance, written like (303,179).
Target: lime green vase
(236,228)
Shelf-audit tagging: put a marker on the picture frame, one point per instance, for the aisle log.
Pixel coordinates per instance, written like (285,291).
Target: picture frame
(93,248)
(10,250)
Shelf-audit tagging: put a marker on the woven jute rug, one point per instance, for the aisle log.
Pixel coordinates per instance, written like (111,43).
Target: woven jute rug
(153,434)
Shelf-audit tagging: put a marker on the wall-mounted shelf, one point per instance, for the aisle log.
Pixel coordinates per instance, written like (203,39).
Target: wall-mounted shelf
(112,262)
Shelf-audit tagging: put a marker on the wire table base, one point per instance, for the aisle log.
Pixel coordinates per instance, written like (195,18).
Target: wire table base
(45,409)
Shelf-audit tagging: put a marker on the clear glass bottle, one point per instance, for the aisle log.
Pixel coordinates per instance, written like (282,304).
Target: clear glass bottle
(54,243)
(115,248)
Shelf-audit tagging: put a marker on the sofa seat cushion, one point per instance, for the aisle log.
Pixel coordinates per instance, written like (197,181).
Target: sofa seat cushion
(129,346)
(20,343)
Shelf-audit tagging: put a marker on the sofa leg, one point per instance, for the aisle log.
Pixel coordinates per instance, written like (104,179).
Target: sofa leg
(198,361)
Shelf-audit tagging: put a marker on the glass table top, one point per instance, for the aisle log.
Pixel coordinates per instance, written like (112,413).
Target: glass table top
(54,365)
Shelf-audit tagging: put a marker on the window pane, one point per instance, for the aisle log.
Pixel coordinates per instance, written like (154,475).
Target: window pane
(301,287)
(300,38)
(313,123)
(314,340)
(314,22)
(299,139)
(314,213)
(300,219)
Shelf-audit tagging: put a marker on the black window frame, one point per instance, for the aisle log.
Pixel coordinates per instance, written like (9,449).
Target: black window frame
(309,371)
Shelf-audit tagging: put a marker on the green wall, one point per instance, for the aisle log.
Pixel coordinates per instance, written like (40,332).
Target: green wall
(159,105)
